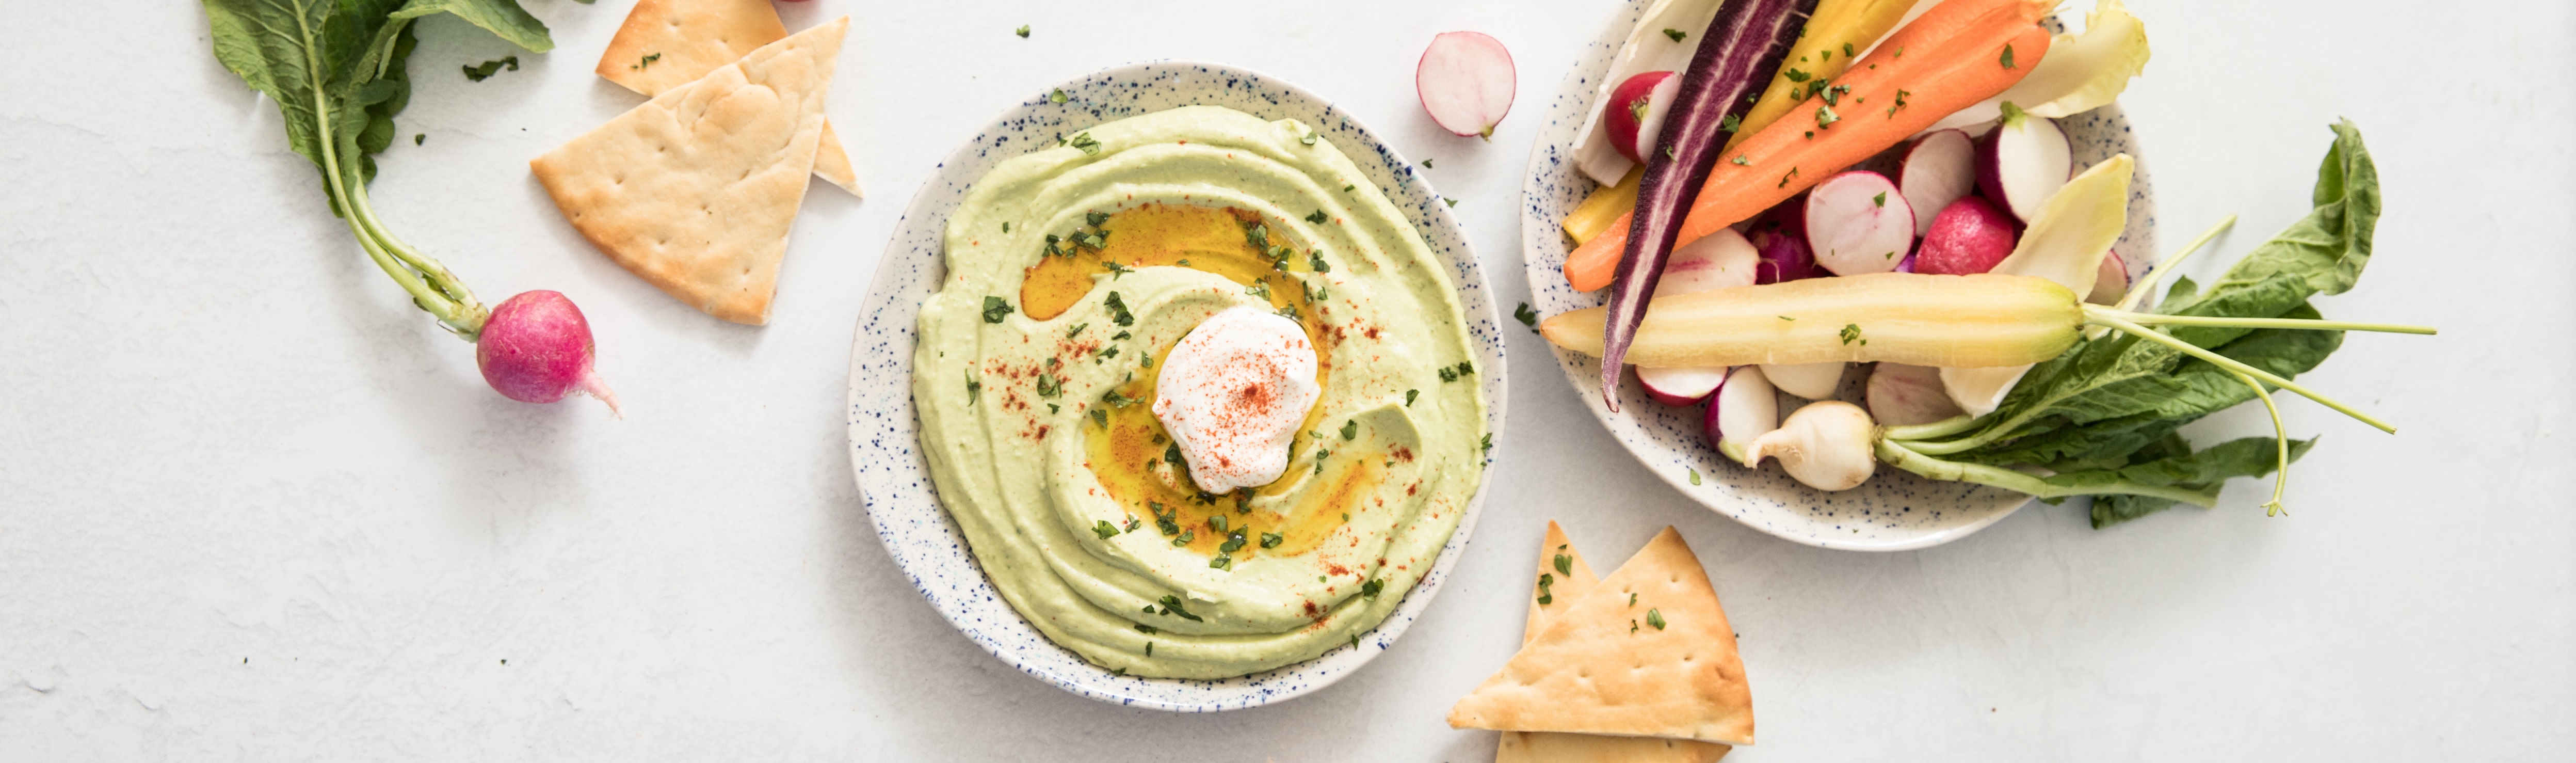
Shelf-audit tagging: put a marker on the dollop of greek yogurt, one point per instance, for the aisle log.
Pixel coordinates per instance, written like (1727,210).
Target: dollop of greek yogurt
(1233,394)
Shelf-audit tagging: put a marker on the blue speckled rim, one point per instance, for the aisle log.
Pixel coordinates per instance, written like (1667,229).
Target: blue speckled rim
(895,483)
(1894,510)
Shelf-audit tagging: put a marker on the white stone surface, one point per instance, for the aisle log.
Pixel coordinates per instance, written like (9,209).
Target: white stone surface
(255,506)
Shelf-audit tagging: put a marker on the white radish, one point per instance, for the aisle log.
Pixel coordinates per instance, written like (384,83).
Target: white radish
(2022,162)
(1857,222)
(2110,281)
(1641,105)
(1939,169)
(2065,244)
(1813,381)
(1647,49)
(1903,395)
(1826,445)
(1466,81)
(1680,386)
(1745,408)
(1716,261)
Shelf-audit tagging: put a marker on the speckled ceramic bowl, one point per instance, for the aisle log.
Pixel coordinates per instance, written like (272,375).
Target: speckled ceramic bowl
(884,439)
(1894,510)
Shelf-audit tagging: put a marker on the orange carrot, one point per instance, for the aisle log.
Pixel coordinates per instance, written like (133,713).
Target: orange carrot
(1951,58)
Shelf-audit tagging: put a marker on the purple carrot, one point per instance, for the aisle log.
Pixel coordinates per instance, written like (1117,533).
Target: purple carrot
(1743,46)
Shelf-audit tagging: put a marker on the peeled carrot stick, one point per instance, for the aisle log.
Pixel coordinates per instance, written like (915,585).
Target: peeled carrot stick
(1951,58)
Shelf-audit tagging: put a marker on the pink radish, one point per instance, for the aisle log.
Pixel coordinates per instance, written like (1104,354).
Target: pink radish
(1745,408)
(2110,280)
(1717,261)
(1903,395)
(1466,82)
(1905,265)
(1966,239)
(1780,237)
(1680,386)
(1857,222)
(2022,162)
(536,348)
(1636,113)
(1939,169)
(1813,381)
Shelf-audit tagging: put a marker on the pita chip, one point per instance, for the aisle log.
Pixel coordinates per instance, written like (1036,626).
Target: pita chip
(1605,666)
(668,43)
(695,190)
(1564,583)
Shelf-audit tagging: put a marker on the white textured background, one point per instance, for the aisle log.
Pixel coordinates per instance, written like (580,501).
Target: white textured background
(254,506)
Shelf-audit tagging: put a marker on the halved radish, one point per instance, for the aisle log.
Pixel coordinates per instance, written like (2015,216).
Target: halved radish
(1637,113)
(1781,237)
(1966,239)
(1743,409)
(1718,261)
(2022,162)
(2110,280)
(1903,395)
(1680,386)
(1813,381)
(1857,222)
(1466,82)
(1939,169)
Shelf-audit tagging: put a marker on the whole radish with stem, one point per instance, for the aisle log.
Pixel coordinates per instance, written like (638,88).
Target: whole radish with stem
(1827,445)
(1742,45)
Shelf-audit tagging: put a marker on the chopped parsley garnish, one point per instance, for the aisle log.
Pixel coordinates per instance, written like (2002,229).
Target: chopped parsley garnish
(1052,409)
(419,138)
(1676,34)
(1346,188)
(1172,606)
(1120,336)
(1655,617)
(1409,395)
(1272,540)
(1315,259)
(1544,596)
(1847,51)
(1115,400)
(995,309)
(1217,523)
(1083,141)
(1880,200)
(1076,330)
(2008,62)
(974,389)
(1309,139)
(1104,529)
(1147,629)
(1825,116)
(1258,236)
(646,61)
(1318,217)
(1784,179)
(1095,219)
(1233,542)
(1453,203)
(1488,447)
(1526,316)
(1023,31)
(1105,353)
(1372,588)
(1426,164)
(1786,318)
(1350,429)
(482,71)
(1222,562)
(1851,333)
(1118,310)
(1058,96)
(1133,523)
(1186,537)
(1048,385)
(1731,123)
(1794,75)
(1564,565)
(1172,455)
(1448,374)
(1632,599)
(1742,160)
(1100,416)
(1694,474)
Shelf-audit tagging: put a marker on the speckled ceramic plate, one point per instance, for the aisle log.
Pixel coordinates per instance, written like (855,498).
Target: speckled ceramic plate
(1894,510)
(884,450)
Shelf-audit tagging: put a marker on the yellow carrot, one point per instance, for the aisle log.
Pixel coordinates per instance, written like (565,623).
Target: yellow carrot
(1959,53)
(1833,39)
(1607,204)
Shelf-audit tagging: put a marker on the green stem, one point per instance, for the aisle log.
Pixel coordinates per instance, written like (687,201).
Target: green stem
(2156,319)
(1938,429)
(2232,364)
(2280,440)
(465,314)
(1903,457)
(2147,284)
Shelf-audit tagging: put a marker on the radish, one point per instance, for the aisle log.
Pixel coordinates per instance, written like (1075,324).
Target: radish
(1466,82)
(536,348)
(1966,239)
(1745,43)
(1637,112)
(1903,395)
(1745,409)
(1681,386)
(1713,262)
(1939,169)
(2023,161)
(2110,280)
(1828,445)
(1905,265)
(1648,49)
(1813,381)
(1858,222)
(1781,239)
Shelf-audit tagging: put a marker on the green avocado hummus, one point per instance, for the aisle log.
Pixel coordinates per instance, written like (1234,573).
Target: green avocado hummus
(1072,272)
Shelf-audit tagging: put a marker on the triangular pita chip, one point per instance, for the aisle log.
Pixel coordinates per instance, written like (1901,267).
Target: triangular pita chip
(1603,667)
(668,43)
(696,189)
(1564,587)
